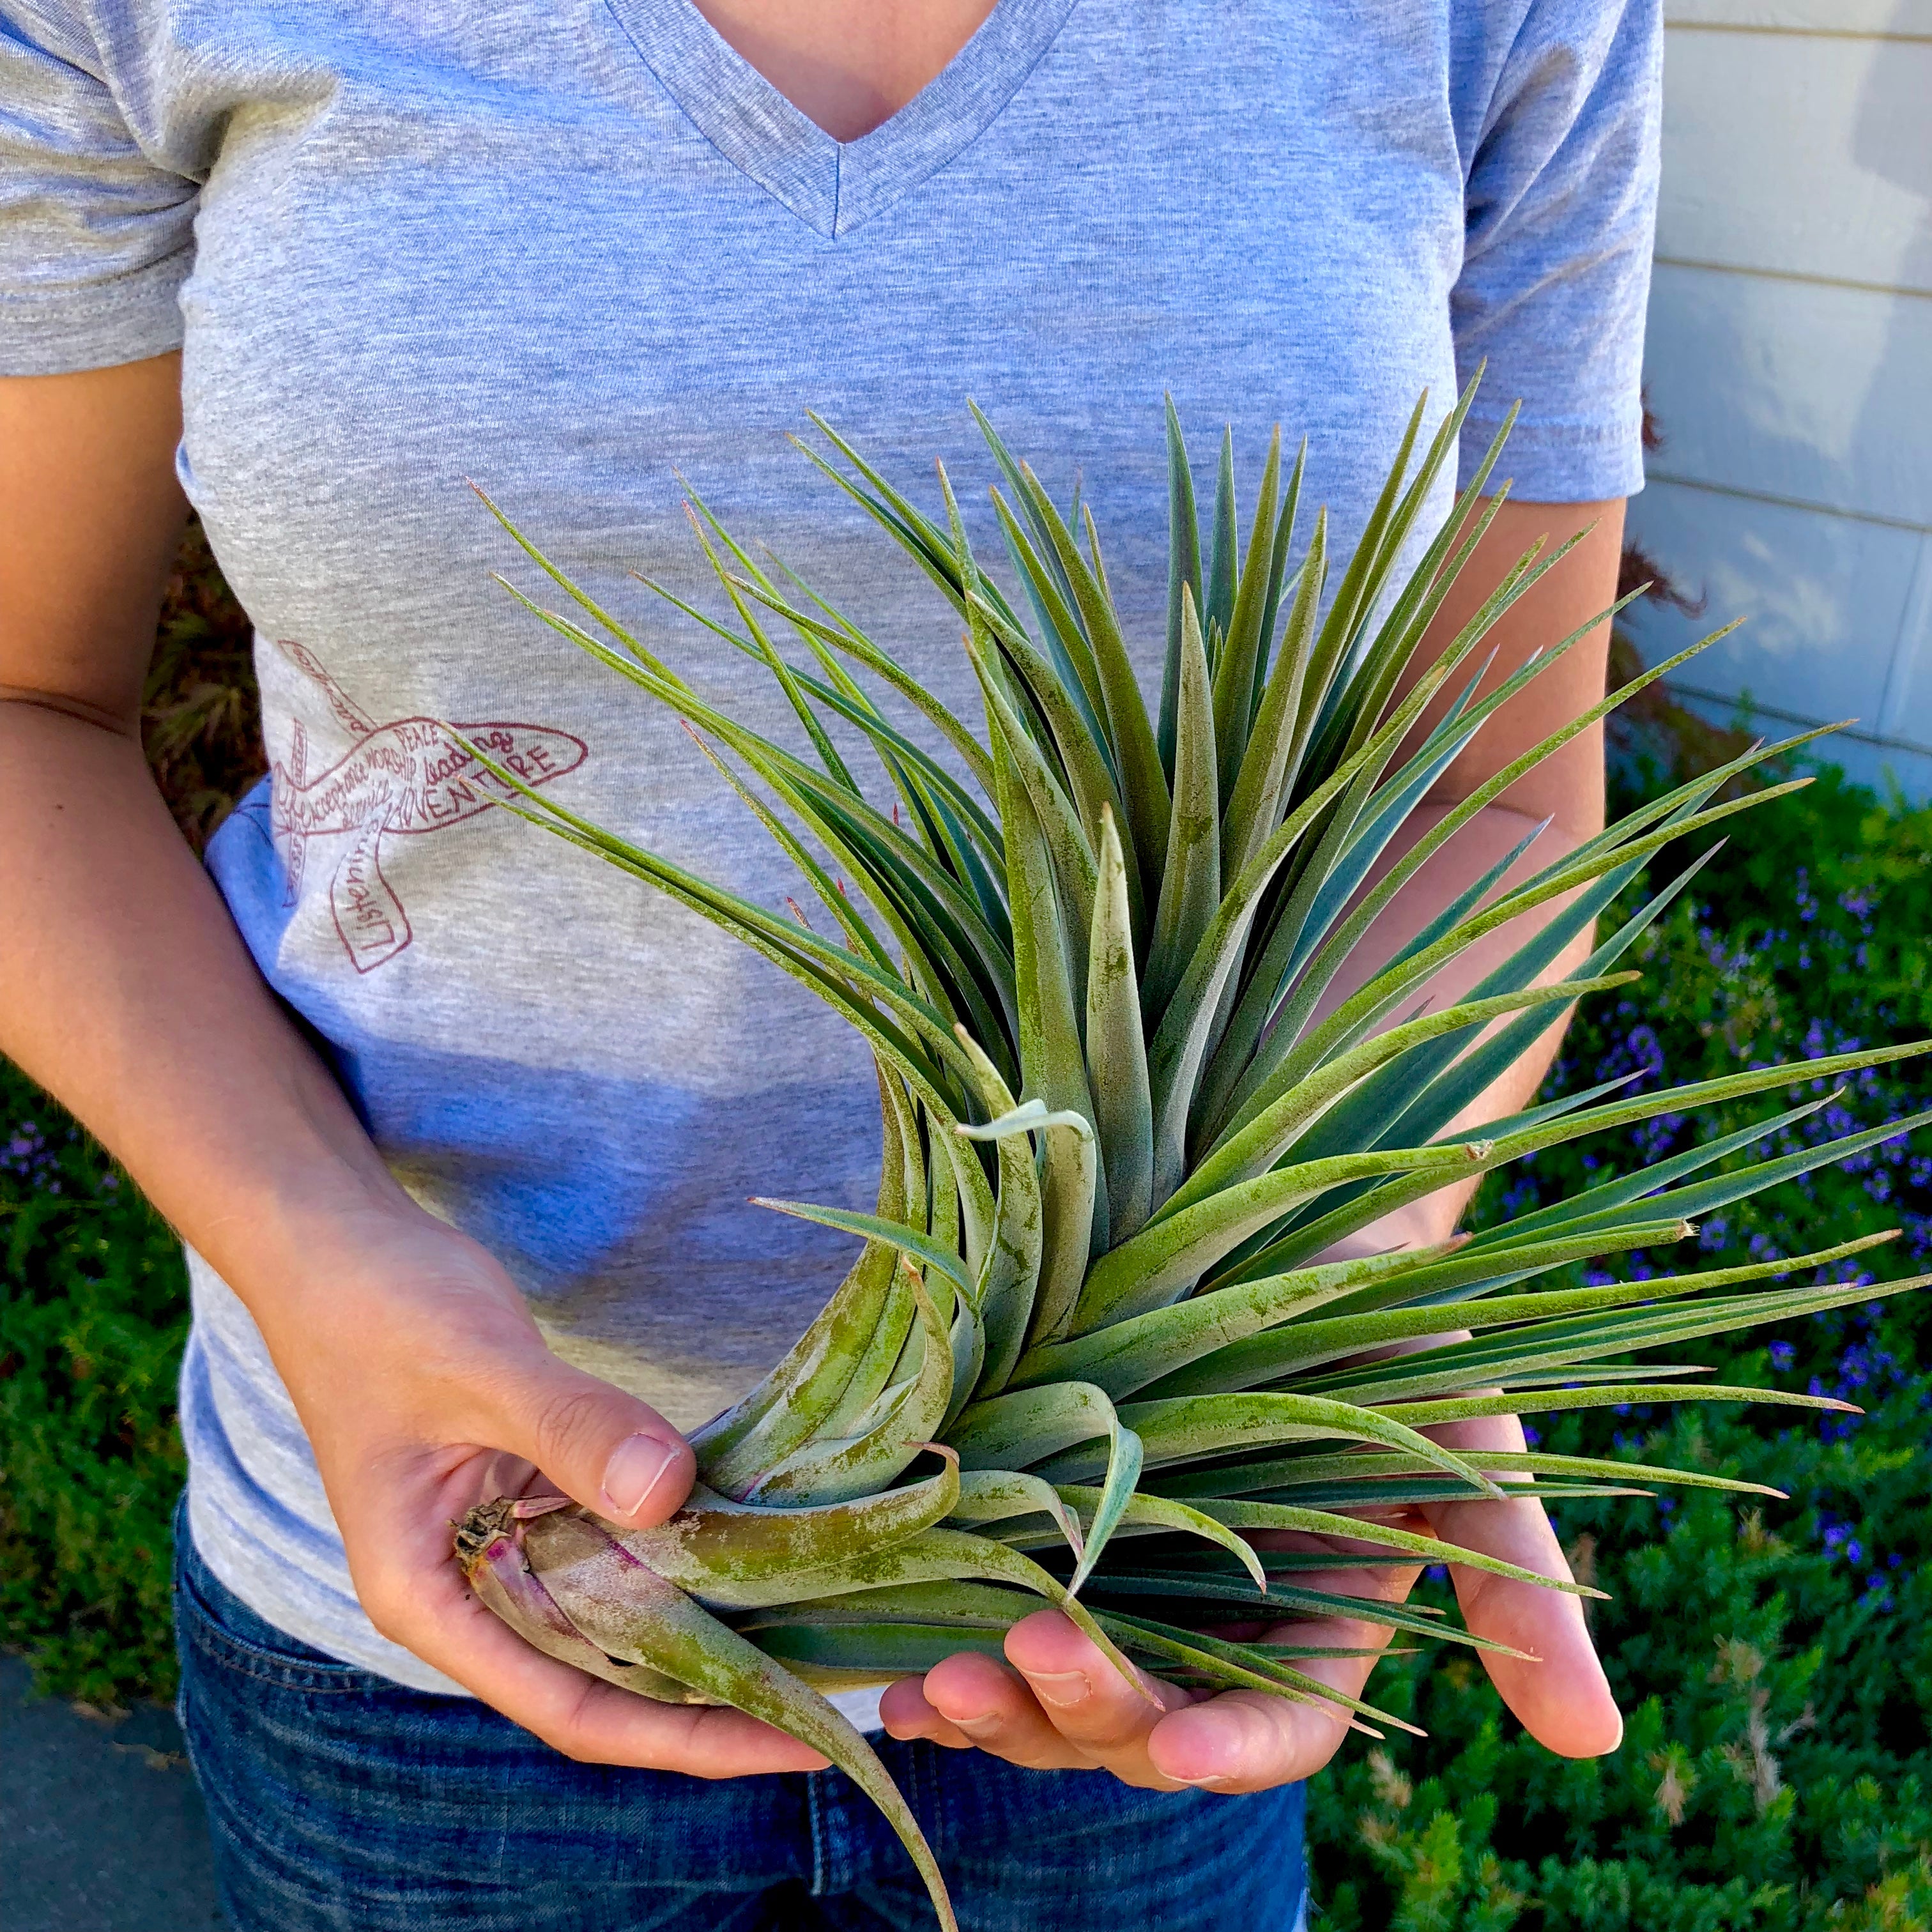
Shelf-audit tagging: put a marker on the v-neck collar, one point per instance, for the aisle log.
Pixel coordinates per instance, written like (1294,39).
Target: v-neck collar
(832,186)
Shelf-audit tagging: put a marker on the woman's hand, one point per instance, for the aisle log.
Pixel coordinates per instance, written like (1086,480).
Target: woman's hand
(1062,1705)
(425,1387)
(125,989)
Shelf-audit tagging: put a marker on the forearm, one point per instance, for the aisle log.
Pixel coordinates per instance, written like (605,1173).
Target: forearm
(1488,837)
(124,988)
(126,991)
(423,1383)
(1563,793)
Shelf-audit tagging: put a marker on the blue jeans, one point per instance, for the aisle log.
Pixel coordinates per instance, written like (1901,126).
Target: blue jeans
(340,1801)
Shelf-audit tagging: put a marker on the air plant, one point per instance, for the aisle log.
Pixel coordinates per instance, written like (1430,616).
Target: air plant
(1091,1341)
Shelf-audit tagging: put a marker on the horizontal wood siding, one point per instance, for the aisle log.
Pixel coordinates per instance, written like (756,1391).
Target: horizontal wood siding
(1893,20)
(1789,364)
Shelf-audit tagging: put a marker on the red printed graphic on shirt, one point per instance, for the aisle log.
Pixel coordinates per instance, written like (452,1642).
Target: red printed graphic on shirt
(412,776)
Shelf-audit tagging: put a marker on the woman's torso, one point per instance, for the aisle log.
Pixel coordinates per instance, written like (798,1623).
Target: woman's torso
(522,258)
(582,256)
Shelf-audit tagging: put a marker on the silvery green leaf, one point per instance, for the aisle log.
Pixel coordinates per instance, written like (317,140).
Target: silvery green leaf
(1190,888)
(648,1622)
(1116,1049)
(1237,674)
(1184,572)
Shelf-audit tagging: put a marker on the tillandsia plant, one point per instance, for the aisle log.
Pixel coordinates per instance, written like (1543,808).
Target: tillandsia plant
(1091,1341)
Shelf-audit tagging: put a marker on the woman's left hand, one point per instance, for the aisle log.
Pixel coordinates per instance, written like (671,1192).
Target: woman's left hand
(1060,1704)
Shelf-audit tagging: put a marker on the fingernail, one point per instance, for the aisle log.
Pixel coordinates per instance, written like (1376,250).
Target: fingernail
(1062,1687)
(976,1727)
(1219,1778)
(636,1465)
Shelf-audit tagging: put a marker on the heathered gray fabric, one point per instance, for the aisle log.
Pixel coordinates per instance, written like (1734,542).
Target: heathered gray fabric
(573,249)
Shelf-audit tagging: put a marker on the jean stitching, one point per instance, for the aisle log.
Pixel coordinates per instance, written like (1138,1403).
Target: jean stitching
(815,1814)
(923,1795)
(204,1630)
(289,1680)
(242,1661)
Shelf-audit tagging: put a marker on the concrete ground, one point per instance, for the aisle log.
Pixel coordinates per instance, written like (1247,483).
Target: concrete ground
(101,1820)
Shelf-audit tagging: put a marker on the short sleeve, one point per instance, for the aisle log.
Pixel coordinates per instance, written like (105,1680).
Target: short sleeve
(1561,202)
(96,238)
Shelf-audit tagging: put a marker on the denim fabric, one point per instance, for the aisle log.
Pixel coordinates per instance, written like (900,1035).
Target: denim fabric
(342,1802)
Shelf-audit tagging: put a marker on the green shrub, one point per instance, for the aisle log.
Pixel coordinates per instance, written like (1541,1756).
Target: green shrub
(91,1335)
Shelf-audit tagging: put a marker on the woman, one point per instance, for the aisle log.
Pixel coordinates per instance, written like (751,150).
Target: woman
(455,1126)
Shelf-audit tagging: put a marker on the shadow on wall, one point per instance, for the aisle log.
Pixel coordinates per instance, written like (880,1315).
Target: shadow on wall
(1893,142)
(1793,366)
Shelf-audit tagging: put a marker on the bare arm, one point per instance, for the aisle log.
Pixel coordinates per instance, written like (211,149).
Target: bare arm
(125,988)
(1566,789)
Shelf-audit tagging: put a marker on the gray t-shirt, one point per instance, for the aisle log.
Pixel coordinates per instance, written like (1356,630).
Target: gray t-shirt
(575,250)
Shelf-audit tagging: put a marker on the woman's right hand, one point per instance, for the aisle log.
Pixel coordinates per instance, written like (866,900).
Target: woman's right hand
(125,989)
(425,1388)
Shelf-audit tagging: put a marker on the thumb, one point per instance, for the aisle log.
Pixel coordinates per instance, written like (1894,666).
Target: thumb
(603,1448)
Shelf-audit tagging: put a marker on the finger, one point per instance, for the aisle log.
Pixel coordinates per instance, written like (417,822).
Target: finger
(907,1715)
(1250,1741)
(1560,1693)
(1245,1740)
(1562,1697)
(1083,1695)
(433,1613)
(603,1448)
(972,1701)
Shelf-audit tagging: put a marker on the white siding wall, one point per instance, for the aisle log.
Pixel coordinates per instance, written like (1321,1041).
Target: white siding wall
(1789,364)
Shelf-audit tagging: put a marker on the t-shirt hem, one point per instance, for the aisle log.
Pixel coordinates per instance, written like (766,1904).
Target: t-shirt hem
(237,1579)
(1560,462)
(59,331)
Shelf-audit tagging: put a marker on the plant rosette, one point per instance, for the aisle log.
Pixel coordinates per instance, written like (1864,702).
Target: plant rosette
(1090,1346)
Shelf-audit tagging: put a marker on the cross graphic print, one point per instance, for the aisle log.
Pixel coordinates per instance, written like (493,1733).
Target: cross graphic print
(406,778)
